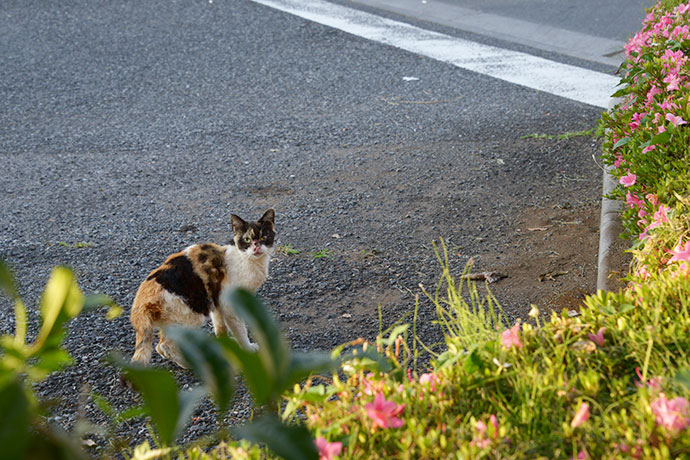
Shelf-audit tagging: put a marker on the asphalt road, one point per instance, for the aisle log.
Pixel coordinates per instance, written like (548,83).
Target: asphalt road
(129,130)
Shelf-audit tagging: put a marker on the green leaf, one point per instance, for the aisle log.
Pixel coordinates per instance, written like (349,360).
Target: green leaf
(14,423)
(206,358)
(395,333)
(621,92)
(626,307)
(273,349)
(49,362)
(168,409)
(261,383)
(61,301)
(288,441)
(661,138)
(621,142)
(607,309)
(368,359)
(302,365)
(103,405)
(683,377)
(7,282)
(473,362)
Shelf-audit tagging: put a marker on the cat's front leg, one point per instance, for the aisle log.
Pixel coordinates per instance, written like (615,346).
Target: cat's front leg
(239,330)
(219,326)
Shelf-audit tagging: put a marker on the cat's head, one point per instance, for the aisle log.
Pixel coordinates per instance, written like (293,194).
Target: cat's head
(254,239)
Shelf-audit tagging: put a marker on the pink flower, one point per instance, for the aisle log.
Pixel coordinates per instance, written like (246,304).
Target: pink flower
(680,252)
(598,338)
(672,81)
(652,199)
(676,120)
(673,414)
(636,120)
(683,8)
(649,148)
(384,413)
(660,217)
(581,416)
(633,201)
(510,337)
(654,90)
(481,439)
(628,180)
(654,383)
(582,455)
(328,450)
(429,379)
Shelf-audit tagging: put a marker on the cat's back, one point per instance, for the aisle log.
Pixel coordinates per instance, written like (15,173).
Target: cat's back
(195,274)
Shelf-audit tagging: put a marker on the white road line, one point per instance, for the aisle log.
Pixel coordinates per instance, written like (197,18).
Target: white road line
(575,83)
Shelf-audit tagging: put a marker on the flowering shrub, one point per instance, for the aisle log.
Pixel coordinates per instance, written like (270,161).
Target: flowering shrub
(611,383)
(648,140)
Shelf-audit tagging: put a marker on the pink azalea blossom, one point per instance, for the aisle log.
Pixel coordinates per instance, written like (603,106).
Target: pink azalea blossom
(384,413)
(682,9)
(582,455)
(328,450)
(649,148)
(598,338)
(672,81)
(671,414)
(676,120)
(654,383)
(429,379)
(628,180)
(581,416)
(667,105)
(660,217)
(636,120)
(680,252)
(510,337)
(619,162)
(653,199)
(481,439)
(633,201)
(653,91)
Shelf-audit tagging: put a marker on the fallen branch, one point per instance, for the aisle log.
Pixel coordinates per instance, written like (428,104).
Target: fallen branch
(489,277)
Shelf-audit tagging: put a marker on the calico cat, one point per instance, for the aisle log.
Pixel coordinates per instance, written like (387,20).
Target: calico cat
(191,285)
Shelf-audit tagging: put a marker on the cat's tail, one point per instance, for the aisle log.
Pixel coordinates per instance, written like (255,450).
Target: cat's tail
(143,322)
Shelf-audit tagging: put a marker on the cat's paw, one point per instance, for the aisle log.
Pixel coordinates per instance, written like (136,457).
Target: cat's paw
(253,347)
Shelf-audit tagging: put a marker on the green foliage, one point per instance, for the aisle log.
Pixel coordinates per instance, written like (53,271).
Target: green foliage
(23,431)
(288,250)
(168,408)
(322,254)
(269,373)
(592,132)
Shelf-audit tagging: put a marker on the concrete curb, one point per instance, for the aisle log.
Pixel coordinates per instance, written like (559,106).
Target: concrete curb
(609,226)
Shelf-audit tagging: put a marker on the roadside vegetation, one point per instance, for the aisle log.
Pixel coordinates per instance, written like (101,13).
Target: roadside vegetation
(611,382)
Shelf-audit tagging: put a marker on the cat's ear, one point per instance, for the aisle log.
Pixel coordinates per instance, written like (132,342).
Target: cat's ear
(268,217)
(238,225)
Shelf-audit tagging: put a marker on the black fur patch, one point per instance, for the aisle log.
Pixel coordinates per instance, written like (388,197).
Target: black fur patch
(178,277)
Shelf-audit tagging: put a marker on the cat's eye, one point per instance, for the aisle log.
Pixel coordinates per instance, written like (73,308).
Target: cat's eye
(247,239)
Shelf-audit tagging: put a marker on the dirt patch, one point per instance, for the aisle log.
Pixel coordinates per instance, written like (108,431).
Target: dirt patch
(552,258)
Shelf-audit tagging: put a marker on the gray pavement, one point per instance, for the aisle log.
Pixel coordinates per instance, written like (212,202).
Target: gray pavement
(130,130)
(590,30)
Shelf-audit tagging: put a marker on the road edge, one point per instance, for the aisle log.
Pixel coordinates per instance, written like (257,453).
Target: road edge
(610,225)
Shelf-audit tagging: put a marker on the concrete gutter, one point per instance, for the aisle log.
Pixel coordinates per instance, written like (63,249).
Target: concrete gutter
(540,36)
(609,228)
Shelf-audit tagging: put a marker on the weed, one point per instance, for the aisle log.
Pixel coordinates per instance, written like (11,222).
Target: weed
(288,250)
(322,254)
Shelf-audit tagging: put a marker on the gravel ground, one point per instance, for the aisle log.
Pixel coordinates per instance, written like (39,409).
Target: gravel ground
(121,145)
